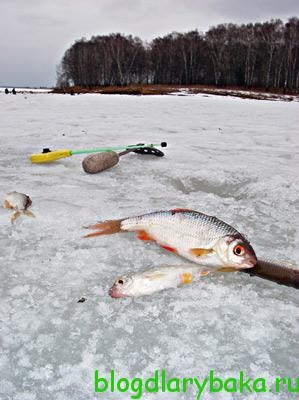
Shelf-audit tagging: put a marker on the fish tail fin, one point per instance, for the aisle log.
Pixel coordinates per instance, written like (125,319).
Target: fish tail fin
(227,269)
(29,213)
(105,228)
(15,216)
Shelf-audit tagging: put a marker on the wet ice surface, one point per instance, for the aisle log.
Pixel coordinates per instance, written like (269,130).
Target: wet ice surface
(236,159)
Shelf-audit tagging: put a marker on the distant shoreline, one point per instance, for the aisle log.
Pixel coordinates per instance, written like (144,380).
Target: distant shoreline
(20,89)
(182,90)
(178,90)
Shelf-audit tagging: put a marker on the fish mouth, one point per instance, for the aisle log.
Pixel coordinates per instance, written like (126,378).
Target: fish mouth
(245,265)
(114,293)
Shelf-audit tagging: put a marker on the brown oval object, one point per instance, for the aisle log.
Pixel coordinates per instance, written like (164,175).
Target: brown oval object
(95,163)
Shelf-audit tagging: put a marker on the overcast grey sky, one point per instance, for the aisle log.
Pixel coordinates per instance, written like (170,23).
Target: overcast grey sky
(34,34)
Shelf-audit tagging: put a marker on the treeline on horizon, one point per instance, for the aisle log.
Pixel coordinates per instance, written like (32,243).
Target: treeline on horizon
(248,55)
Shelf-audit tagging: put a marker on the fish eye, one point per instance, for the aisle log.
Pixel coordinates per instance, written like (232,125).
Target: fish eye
(120,281)
(238,250)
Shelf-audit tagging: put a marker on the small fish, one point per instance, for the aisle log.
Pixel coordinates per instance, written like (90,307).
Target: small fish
(19,202)
(193,235)
(155,279)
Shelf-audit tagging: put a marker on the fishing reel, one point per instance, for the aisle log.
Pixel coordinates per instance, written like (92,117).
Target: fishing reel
(150,150)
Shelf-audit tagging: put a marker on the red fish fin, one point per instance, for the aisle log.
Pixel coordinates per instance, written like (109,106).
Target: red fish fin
(7,204)
(15,216)
(178,210)
(105,228)
(186,277)
(201,252)
(143,235)
(204,272)
(97,233)
(29,213)
(172,249)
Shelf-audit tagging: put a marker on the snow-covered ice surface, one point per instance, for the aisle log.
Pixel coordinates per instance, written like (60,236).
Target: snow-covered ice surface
(236,159)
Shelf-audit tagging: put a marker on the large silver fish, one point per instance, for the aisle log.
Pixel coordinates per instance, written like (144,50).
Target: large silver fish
(193,235)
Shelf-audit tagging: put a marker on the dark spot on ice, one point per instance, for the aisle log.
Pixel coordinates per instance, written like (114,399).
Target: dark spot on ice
(82,300)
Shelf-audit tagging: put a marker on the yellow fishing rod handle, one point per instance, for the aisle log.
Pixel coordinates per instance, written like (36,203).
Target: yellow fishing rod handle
(50,156)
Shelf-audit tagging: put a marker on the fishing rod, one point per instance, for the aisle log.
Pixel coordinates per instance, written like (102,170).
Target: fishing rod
(48,155)
(275,272)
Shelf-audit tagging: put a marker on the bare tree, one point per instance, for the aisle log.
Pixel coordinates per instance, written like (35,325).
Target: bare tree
(262,54)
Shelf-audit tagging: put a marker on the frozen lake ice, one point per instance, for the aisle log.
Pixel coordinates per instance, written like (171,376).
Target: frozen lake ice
(232,158)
